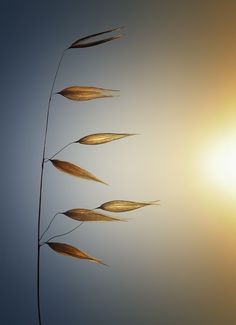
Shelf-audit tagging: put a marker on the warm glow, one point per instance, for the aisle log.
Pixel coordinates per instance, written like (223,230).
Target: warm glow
(220,163)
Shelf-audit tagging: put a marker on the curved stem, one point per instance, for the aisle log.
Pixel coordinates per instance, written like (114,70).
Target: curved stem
(49,225)
(67,145)
(41,188)
(66,233)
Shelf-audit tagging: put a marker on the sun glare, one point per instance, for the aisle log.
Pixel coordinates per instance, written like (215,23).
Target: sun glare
(220,163)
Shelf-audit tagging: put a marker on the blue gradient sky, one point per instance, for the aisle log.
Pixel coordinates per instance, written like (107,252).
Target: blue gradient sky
(169,265)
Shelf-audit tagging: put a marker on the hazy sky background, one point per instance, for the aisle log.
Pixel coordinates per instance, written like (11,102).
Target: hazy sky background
(171,265)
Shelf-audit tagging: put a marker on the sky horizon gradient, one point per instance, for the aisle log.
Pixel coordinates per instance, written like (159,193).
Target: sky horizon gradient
(172,264)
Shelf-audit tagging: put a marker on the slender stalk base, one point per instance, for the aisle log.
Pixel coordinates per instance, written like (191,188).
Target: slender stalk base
(38,287)
(41,192)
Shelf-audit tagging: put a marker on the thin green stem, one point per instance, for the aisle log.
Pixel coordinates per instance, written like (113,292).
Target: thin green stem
(41,189)
(66,233)
(67,145)
(49,225)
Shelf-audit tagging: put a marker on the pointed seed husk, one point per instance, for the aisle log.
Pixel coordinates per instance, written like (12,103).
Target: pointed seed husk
(88,40)
(101,138)
(74,170)
(89,215)
(123,206)
(68,250)
(84,93)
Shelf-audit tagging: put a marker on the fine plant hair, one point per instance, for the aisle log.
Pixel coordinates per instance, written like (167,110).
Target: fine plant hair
(80,93)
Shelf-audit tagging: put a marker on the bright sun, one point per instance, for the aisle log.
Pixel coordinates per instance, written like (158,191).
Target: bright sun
(220,163)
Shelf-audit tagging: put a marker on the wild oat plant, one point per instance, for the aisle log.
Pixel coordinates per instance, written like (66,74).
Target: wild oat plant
(80,93)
